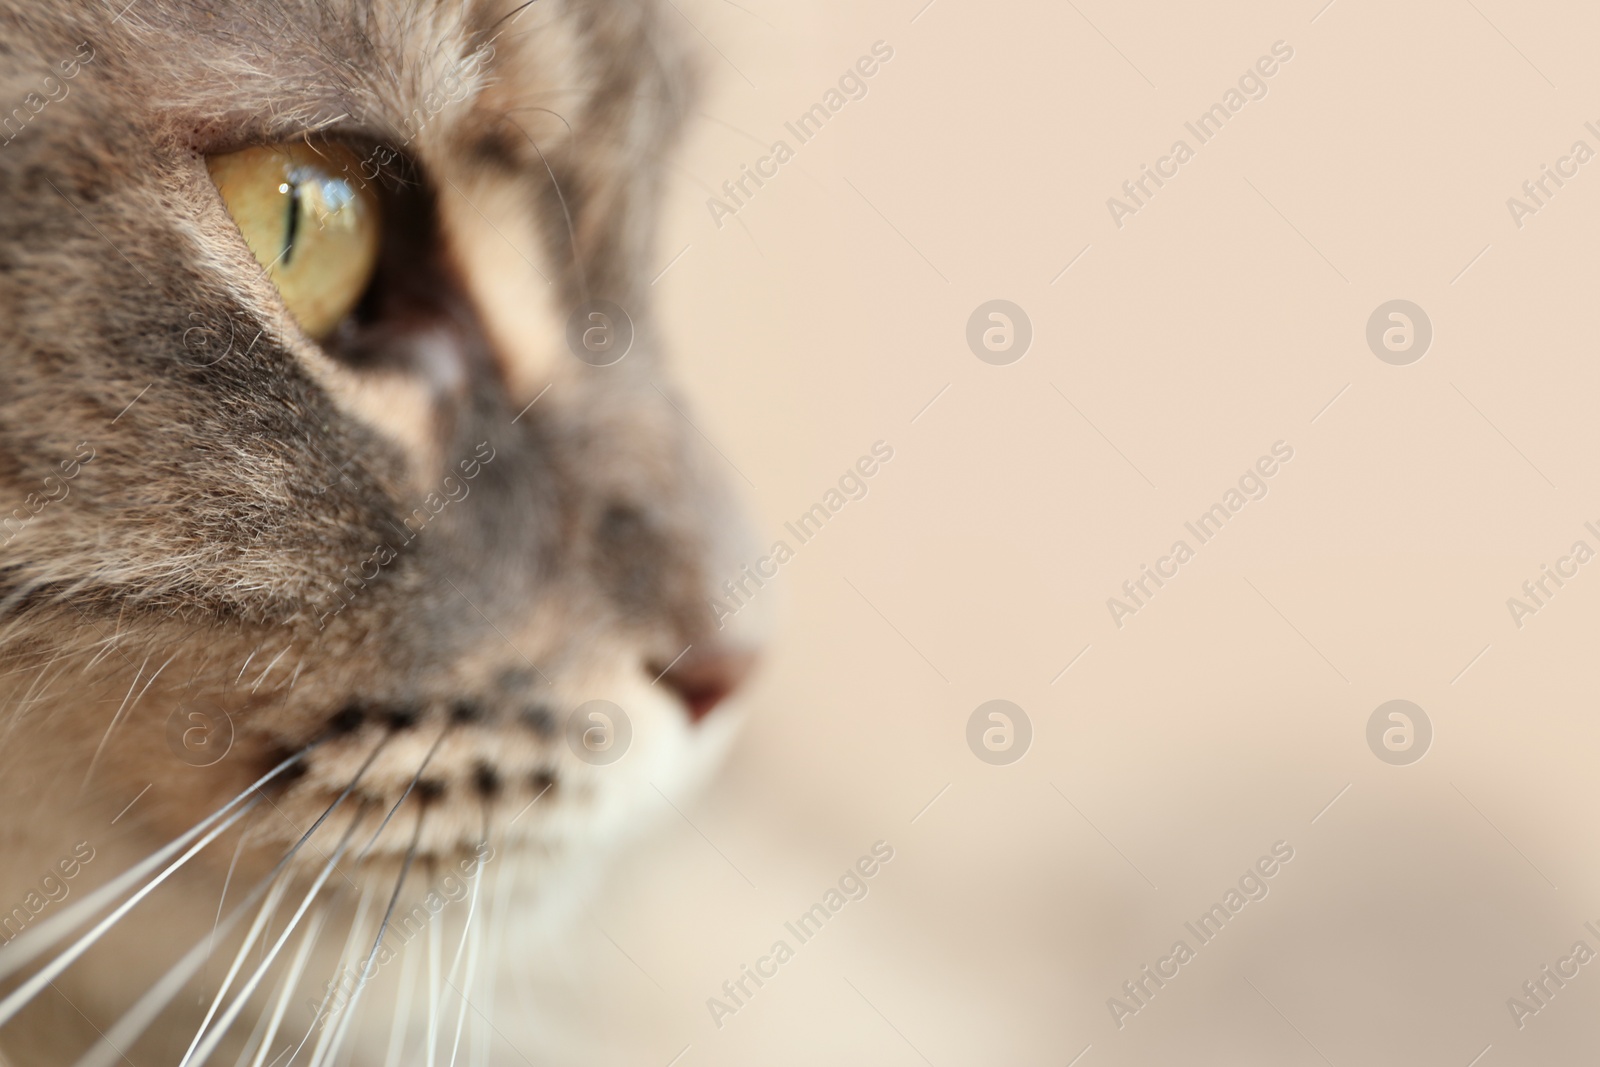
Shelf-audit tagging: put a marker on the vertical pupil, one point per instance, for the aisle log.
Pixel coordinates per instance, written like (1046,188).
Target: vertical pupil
(293,227)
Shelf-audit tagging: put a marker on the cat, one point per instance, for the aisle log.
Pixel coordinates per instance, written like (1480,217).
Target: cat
(355,550)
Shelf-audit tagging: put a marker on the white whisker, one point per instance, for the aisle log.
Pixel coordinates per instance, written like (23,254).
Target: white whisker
(136,1019)
(499,906)
(280,883)
(367,968)
(281,865)
(211,942)
(116,718)
(328,1039)
(291,979)
(402,1010)
(30,988)
(122,713)
(258,1031)
(268,668)
(472,962)
(214,1038)
(247,659)
(434,937)
(28,945)
(367,965)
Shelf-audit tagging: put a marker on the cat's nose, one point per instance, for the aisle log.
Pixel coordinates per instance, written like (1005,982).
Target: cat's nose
(705,678)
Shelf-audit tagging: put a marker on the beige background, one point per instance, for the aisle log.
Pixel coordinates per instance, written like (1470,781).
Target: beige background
(1223,317)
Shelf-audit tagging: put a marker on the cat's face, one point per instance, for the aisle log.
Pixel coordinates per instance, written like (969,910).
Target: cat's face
(416,541)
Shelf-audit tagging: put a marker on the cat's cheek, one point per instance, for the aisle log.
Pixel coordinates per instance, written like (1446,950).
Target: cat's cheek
(52,93)
(69,68)
(28,102)
(85,52)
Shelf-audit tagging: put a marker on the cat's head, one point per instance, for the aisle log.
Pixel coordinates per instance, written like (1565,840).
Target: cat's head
(424,525)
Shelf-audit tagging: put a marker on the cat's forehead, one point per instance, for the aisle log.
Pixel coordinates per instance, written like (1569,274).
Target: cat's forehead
(405,71)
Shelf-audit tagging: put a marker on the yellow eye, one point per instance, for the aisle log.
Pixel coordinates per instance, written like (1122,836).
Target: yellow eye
(311,221)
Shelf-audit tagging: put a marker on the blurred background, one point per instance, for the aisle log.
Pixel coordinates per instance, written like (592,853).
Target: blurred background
(1174,343)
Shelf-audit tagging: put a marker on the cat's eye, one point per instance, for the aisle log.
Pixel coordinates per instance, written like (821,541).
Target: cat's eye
(310,220)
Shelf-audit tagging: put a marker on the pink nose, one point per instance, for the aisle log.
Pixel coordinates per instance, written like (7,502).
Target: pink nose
(702,681)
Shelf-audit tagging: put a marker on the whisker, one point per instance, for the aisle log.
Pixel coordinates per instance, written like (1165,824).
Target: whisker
(572,236)
(280,866)
(402,1010)
(415,778)
(346,1022)
(279,883)
(257,1031)
(30,988)
(472,961)
(434,937)
(268,668)
(211,942)
(116,718)
(327,999)
(144,1011)
(405,868)
(291,979)
(356,923)
(214,1038)
(354,938)
(32,942)
(499,906)
(122,713)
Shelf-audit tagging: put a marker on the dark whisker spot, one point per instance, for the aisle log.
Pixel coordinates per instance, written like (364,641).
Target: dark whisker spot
(430,789)
(402,716)
(540,720)
(290,774)
(486,779)
(463,711)
(543,780)
(347,720)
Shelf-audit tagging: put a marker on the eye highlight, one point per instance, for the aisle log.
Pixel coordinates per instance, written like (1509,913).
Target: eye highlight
(314,230)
